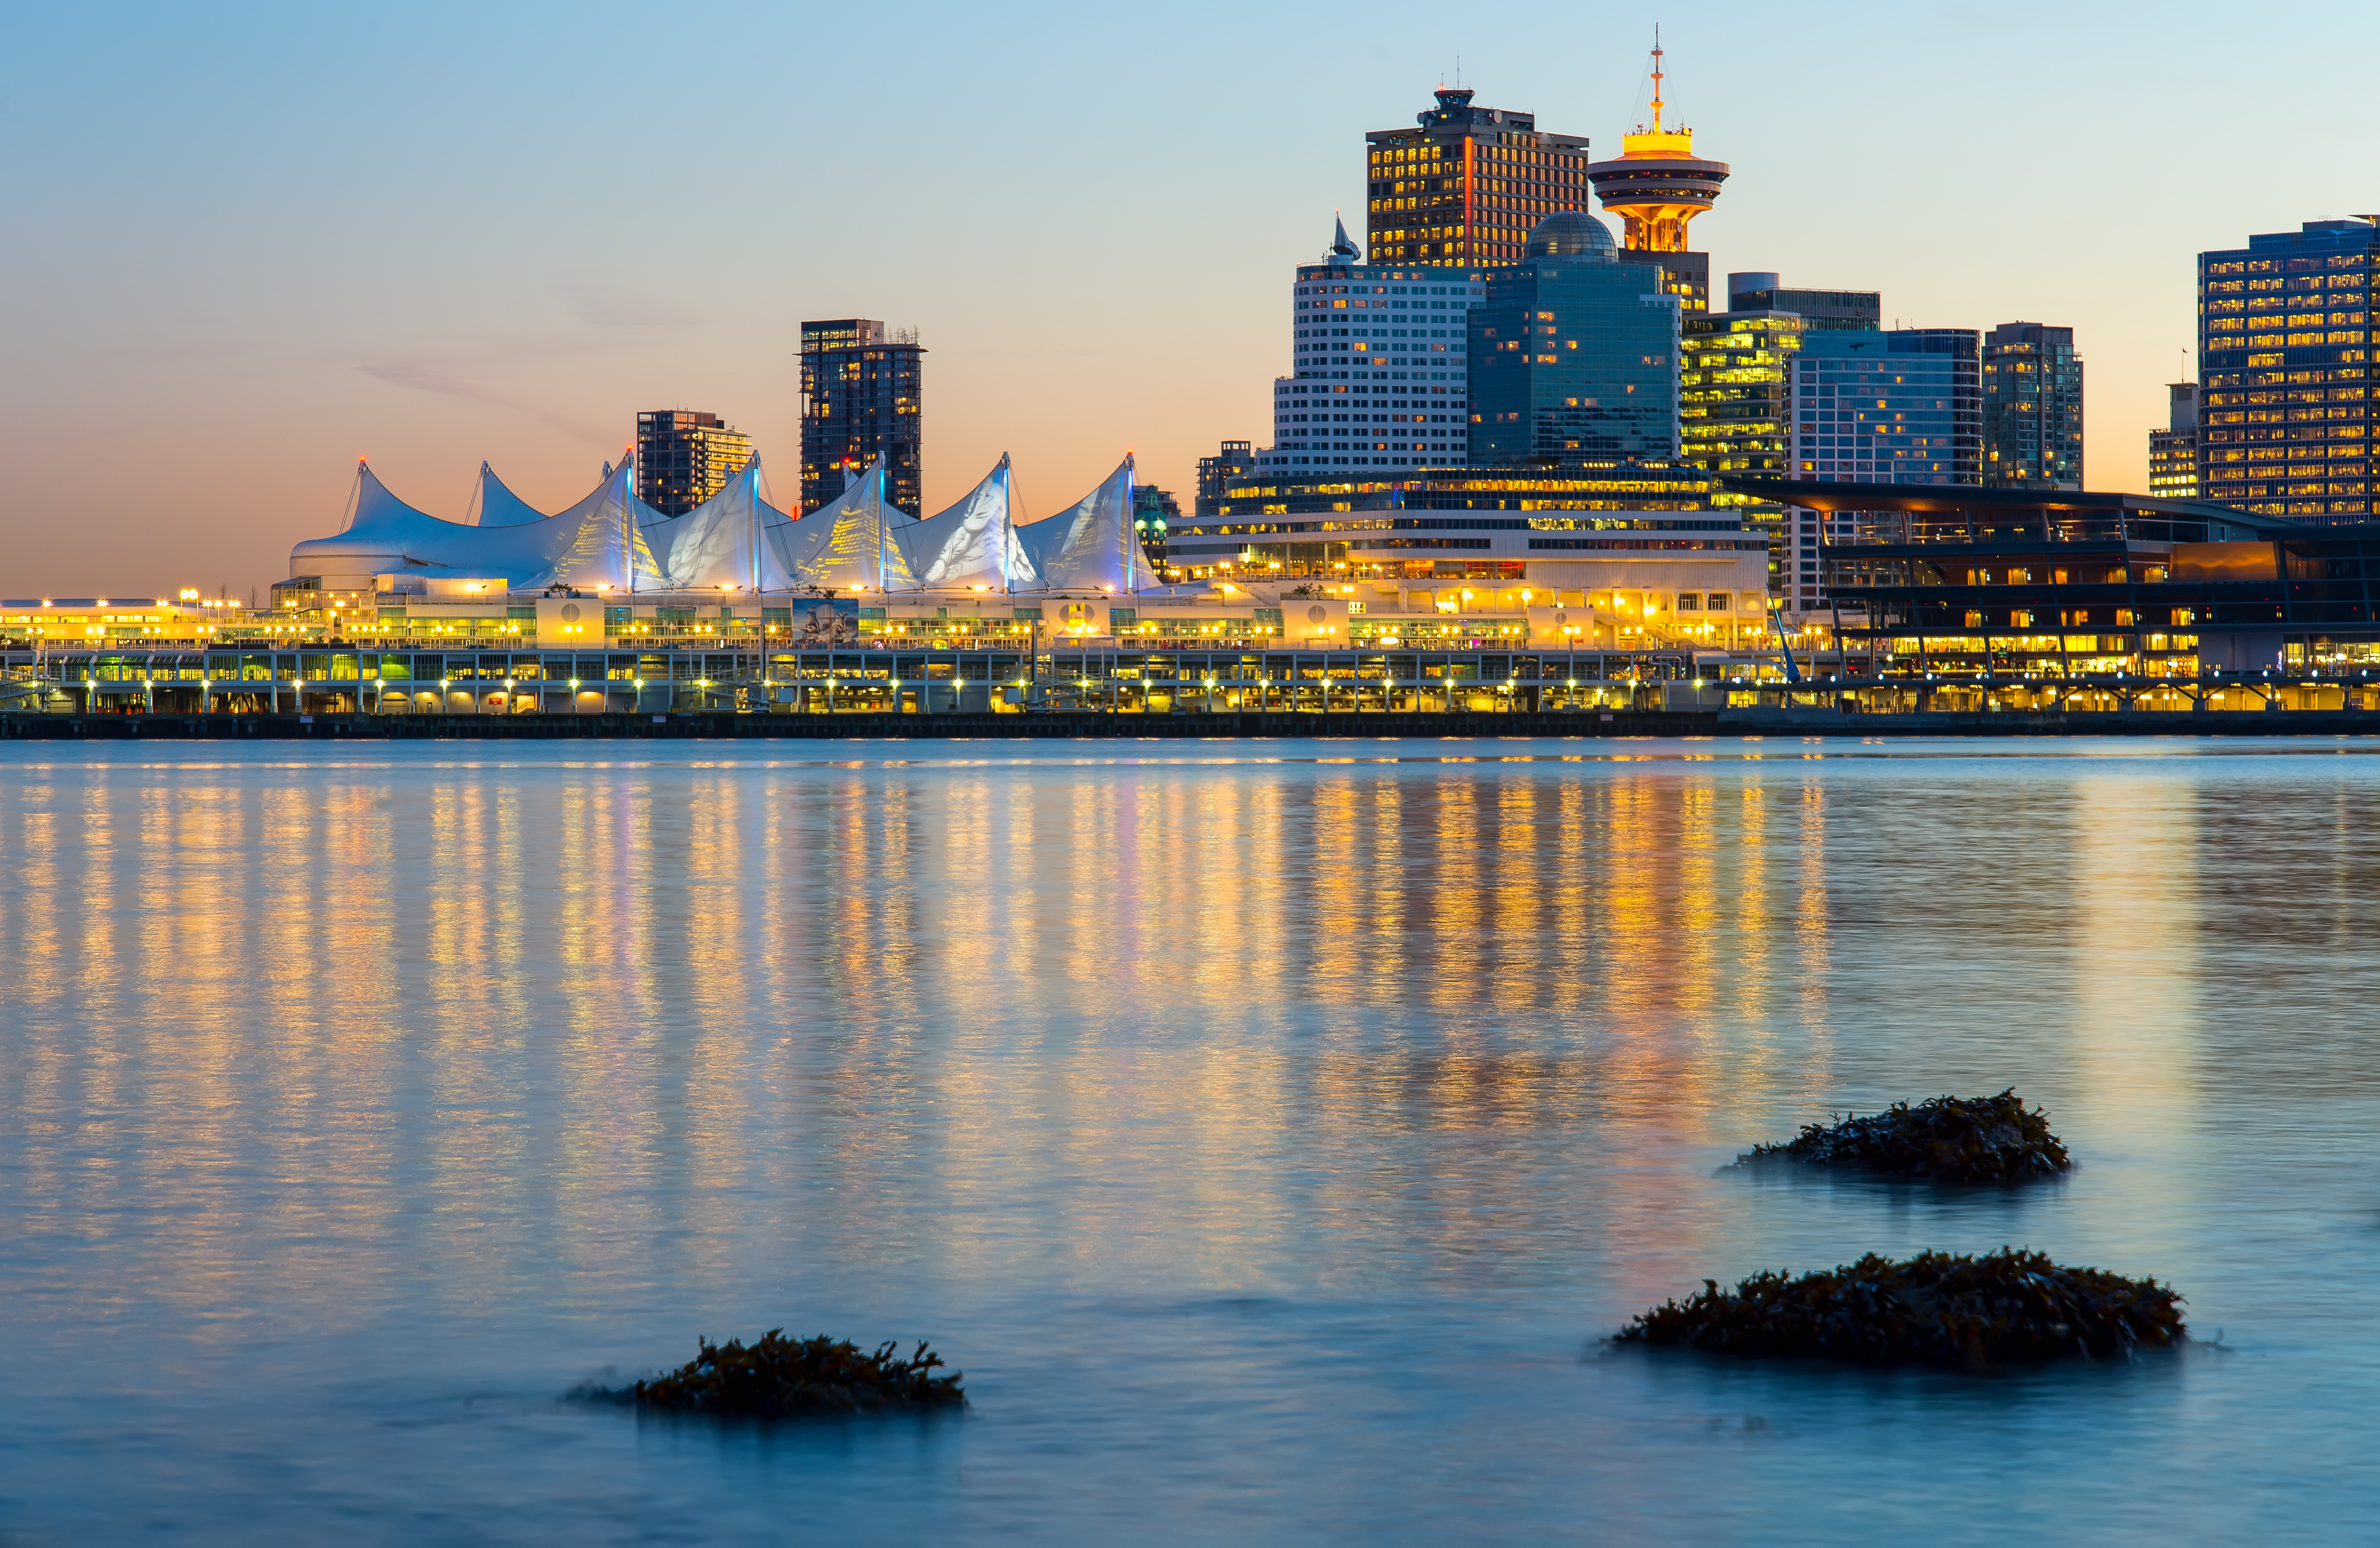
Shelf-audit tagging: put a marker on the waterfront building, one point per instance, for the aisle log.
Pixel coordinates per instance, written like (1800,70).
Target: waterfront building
(2173,451)
(1381,372)
(2047,587)
(683,458)
(613,607)
(1464,187)
(2032,408)
(2285,366)
(1628,551)
(1230,662)
(1656,185)
(1902,406)
(863,396)
(1820,311)
(723,554)
(1573,360)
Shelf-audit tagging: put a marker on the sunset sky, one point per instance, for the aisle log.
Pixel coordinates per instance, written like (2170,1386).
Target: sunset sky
(243,246)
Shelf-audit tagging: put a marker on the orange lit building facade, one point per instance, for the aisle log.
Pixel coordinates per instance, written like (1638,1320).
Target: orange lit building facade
(1465,187)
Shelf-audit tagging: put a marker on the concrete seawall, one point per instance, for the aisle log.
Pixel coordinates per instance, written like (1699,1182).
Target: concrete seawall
(1102,725)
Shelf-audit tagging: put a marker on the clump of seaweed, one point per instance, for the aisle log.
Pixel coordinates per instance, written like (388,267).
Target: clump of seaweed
(1949,1138)
(775,1376)
(2007,1308)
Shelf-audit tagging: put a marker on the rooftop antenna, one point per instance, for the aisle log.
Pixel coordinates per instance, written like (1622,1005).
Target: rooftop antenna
(1657,78)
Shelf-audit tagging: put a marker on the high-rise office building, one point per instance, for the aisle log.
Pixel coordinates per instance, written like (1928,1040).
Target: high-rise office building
(2285,371)
(1464,187)
(1899,407)
(1821,311)
(863,393)
(1380,374)
(1657,186)
(2032,408)
(1735,410)
(2173,451)
(1233,459)
(1572,358)
(684,457)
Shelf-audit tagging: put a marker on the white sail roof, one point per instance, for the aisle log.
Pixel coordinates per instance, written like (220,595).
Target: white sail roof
(723,541)
(494,506)
(850,545)
(607,543)
(593,542)
(736,539)
(973,543)
(1089,546)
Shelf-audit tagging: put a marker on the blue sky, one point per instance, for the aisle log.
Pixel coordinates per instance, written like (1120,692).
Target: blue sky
(243,247)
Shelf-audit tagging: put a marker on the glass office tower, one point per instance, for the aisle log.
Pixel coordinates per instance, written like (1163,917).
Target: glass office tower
(2032,408)
(1735,410)
(1572,360)
(2285,372)
(1901,406)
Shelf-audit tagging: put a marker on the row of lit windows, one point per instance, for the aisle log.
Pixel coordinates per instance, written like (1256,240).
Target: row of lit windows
(2291,304)
(2335,262)
(2302,284)
(1556,162)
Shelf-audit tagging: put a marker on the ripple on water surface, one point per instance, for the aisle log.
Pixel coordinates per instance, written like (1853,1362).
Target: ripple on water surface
(1269,1130)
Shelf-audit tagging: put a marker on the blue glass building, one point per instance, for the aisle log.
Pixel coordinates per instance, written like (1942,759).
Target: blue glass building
(1901,406)
(1572,360)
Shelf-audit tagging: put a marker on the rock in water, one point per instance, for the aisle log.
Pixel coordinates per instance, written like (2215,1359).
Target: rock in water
(2005,1307)
(1950,1138)
(776,1376)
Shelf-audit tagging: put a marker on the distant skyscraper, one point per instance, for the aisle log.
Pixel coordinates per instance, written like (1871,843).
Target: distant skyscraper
(863,394)
(2285,371)
(2032,408)
(1735,410)
(2173,451)
(1657,187)
(1465,187)
(1902,406)
(1233,459)
(1380,353)
(1821,311)
(1572,358)
(683,458)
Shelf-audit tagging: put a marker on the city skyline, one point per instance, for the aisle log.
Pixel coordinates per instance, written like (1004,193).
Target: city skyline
(242,222)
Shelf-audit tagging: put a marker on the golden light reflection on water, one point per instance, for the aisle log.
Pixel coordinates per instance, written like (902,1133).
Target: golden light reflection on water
(2135,843)
(293,1029)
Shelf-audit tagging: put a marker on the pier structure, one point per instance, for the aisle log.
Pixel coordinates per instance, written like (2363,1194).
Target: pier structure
(1096,676)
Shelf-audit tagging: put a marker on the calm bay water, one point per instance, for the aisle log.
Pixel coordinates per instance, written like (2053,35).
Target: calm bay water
(1271,1130)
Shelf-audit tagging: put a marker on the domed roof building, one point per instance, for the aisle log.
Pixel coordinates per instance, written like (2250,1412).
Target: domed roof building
(1571,234)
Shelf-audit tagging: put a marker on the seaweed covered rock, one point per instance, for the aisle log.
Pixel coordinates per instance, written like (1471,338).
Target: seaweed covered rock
(2005,1307)
(1949,1138)
(776,1376)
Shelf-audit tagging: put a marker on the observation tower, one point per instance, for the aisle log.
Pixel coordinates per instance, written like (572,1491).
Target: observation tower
(1658,185)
